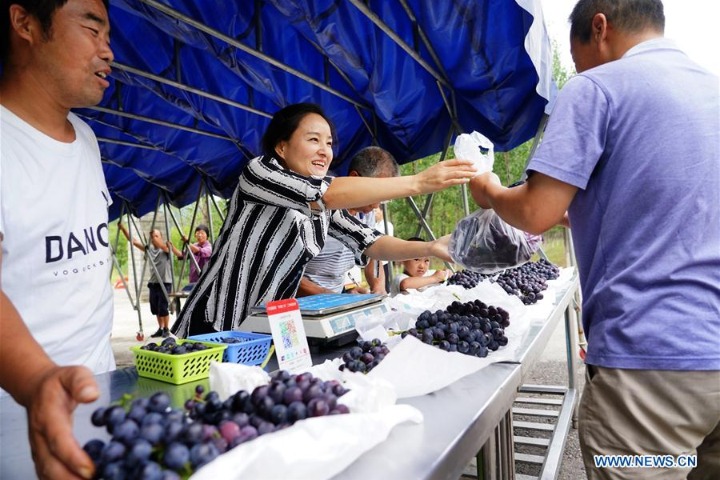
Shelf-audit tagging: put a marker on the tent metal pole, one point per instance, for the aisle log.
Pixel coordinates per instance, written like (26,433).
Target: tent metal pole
(423,215)
(135,303)
(360,5)
(168,213)
(425,39)
(186,247)
(450,106)
(367,125)
(250,51)
(431,196)
(536,143)
(186,88)
(146,255)
(390,273)
(217,208)
(421,218)
(208,196)
(137,281)
(154,121)
(129,144)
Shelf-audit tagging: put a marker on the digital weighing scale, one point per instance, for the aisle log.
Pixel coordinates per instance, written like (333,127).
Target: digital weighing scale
(328,318)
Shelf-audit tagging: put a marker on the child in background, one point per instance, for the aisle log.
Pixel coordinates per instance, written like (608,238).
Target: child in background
(417,274)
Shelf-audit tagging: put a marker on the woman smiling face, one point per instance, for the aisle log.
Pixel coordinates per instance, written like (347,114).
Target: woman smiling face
(308,152)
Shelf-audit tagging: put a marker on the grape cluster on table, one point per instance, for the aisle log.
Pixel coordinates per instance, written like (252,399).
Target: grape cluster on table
(466,279)
(232,340)
(529,280)
(365,356)
(473,328)
(172,347)
(151,440)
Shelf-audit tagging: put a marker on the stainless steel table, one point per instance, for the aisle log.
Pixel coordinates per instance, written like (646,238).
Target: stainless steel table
(471,415)
(458,421)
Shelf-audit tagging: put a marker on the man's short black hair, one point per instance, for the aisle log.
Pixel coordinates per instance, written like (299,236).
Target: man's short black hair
(43,10)
(374,162)
(632,16)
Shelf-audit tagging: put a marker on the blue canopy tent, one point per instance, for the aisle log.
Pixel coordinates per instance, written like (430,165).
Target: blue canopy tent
(194,84)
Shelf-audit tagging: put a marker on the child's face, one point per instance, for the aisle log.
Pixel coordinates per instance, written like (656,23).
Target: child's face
(417,267)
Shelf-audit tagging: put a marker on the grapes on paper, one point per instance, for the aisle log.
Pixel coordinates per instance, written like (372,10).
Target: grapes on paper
(472,328)
(152,440)
(527,282)
(365,356)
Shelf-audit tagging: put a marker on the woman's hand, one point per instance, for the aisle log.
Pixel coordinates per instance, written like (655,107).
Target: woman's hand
(445,174)
(55,451)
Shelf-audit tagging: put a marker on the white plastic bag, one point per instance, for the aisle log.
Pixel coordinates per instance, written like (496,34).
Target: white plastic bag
(474,146)
(484,243)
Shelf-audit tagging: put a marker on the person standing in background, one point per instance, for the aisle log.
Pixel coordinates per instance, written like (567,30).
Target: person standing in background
(160,283)
(201,250)
(56,301)
(632,153)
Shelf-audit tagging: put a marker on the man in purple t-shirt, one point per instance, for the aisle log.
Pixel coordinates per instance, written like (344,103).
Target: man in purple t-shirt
(632,153)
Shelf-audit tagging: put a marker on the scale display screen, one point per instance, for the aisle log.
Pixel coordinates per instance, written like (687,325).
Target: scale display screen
(326,303)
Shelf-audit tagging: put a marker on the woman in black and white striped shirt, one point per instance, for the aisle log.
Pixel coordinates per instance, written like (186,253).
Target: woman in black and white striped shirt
(281,212)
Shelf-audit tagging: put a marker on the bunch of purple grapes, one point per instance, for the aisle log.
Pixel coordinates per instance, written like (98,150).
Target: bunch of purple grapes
(473,328)
(151,440)
(231,340)
(365,356)
(528,281)
(171,346)
(466,279)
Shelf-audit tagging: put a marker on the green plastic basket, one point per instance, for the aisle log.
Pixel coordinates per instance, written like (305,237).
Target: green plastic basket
(177,369)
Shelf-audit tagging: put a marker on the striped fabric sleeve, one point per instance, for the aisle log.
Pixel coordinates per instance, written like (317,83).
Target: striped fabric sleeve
(353,233)
(265,181)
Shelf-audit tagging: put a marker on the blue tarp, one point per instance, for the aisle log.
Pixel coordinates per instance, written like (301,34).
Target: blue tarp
(195,83)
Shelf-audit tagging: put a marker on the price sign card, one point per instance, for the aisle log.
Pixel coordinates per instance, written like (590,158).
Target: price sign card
(288,332)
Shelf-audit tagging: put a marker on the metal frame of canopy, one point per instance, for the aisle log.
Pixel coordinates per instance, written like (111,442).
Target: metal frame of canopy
(128,134)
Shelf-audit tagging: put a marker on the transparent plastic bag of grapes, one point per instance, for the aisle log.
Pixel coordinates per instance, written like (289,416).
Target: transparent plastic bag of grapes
(484,243)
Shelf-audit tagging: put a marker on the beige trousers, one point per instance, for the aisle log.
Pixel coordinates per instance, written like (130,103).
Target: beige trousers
(651,412)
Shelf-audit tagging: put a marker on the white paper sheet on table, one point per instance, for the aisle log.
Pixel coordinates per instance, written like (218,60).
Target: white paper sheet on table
(415,368)
(316,448)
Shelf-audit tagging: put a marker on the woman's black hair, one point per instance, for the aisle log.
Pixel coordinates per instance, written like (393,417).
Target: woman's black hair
(286,121)
(204,228)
